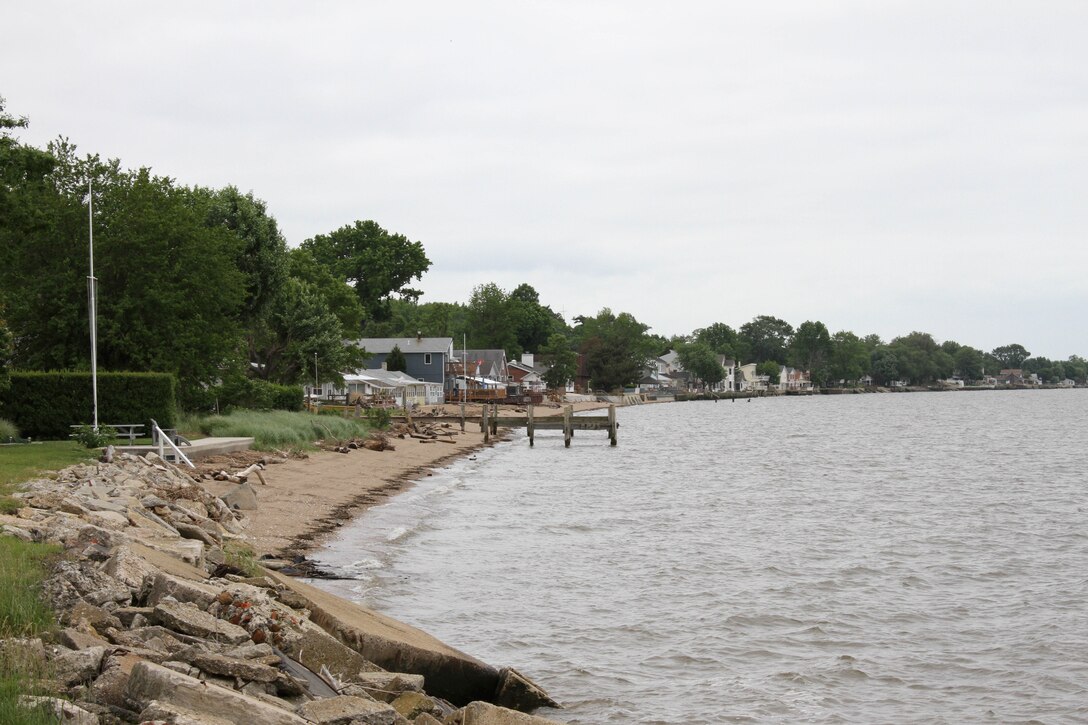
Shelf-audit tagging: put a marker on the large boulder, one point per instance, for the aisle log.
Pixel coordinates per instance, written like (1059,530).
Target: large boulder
(149,683)
(348,710)
(398,647)
(483,713)
(188,619)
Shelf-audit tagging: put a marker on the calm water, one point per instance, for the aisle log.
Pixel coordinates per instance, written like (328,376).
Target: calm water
(869,558)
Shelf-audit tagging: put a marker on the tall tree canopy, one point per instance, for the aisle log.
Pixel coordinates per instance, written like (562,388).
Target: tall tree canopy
(766,338)
(379,264)
(703,362)
(562,360)
(721,338)
(810,349)
(616,347)
(1012,355)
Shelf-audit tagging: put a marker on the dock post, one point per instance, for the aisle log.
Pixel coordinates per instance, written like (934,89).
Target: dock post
(462,416)
(568,425)
(495,419)
(612,424)
(529,424)
(485,425)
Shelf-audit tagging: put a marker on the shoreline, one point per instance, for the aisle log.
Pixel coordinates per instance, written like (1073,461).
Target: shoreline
(307,500)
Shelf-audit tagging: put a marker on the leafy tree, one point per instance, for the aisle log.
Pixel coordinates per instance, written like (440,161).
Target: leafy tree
(339,295)
(396,361)
(377,263)
(563,361)
(1011,356)
(703,362)
(534,323)
(766,338)
(262,255)
(1076,368)
(920,358)
(885,366)
(300,327)
(721,338)
(771,369)
(810,350)
(968,362)
(490,320)
(616,347)
(849,359)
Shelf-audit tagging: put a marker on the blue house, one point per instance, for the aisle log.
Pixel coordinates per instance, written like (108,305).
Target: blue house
(426,356)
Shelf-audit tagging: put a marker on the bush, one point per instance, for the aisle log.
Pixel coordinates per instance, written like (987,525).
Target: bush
(8,431)
(45,405)
(91,438)
(252,394)
(379,417)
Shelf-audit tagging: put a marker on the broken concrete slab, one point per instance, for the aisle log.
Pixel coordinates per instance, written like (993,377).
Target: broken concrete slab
(483,713)
(348,710)
(150,682)
(395,646)
(518,692)
(188,619)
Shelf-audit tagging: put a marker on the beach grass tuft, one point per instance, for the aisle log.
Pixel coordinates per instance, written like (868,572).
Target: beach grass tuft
(276,429)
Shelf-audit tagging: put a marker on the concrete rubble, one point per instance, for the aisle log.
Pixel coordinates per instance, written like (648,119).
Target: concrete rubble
(156,625)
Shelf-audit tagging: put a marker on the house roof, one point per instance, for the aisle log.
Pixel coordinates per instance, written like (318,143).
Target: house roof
(384,378)
(385,345)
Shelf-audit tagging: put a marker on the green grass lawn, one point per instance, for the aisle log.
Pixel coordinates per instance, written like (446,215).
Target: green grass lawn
(20,463)
(22,567)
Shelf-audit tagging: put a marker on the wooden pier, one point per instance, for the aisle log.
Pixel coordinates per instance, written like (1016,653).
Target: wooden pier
(490,421)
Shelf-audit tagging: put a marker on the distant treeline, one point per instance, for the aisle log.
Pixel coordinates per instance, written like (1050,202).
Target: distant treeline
(200,282)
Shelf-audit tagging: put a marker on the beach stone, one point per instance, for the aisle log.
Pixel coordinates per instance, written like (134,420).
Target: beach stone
(189,551)
(412,704)
(109,687)
(157,713)
(347,710)
(314,647)
(150,682)
(64,711)
(221,665)
(95,617)
(426,719)
(128,615)
(387,686)
(484,713)
(163,585)
(243,498)
(107,519)
(126,567)
(518,692)
(188,619)
(22,652)
(74,667)
(192,531)
(75,638)
(75,581)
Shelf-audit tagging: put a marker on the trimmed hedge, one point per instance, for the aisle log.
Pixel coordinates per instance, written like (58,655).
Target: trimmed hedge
(45,405)
(247,393)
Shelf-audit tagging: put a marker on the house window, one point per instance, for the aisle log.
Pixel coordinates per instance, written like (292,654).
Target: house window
(427,358)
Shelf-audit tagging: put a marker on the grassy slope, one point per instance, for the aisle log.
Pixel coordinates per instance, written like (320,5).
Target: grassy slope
(22,567)
(276,429)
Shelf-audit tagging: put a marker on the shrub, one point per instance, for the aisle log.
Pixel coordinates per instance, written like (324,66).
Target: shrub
(91,438)
(379,417)
(250,393)
(44,405)
(8,431)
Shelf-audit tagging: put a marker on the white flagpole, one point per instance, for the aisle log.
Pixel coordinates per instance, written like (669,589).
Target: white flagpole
(92,304)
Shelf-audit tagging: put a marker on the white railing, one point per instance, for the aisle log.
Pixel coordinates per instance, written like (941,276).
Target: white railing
(159,436)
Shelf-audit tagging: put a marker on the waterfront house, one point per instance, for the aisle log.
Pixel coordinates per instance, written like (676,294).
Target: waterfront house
(383,388)
(750,381)
(524,375)
(1011,376)
(794,379)
(426,357)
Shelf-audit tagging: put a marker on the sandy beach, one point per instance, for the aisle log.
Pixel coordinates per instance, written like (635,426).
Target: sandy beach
(306,499)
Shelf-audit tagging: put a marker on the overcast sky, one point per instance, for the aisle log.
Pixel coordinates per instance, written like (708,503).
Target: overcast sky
(879,166)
